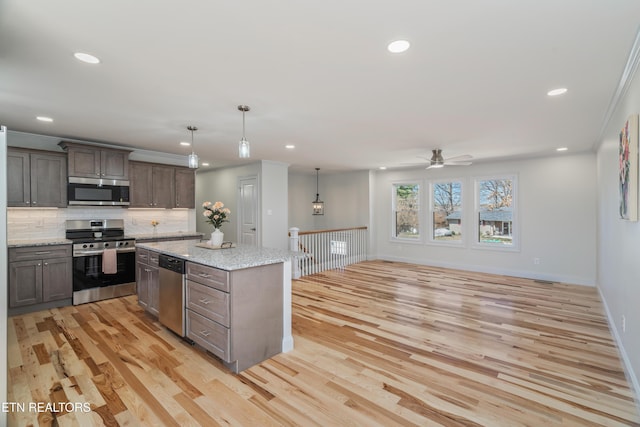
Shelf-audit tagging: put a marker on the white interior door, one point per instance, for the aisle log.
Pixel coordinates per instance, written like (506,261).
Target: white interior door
(248,210)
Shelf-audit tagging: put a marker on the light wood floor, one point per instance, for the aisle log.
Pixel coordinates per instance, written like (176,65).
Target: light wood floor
(377,343)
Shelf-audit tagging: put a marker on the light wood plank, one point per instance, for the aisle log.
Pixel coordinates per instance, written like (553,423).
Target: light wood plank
(376,343)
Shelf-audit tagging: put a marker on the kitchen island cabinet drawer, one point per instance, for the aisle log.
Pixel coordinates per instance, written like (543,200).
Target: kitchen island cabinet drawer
(209,302)
(142,255)
(154,258)
(208,276)
(30,253)
(209,334)
(146,256)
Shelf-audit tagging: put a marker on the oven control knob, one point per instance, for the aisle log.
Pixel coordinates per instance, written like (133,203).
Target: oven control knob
(84,246)
(91,245)
(106,245)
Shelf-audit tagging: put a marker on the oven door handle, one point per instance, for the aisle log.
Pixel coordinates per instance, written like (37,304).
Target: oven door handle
(100,252)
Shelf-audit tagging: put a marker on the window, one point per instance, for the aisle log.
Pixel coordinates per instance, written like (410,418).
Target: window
(495,211)
(406,211)
(338,247)
(446,211)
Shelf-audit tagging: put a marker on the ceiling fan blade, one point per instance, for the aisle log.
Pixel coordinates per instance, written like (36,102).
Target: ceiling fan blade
(458,158)
(456,163)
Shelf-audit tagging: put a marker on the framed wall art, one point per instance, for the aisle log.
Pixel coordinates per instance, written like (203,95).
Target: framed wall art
(628,169)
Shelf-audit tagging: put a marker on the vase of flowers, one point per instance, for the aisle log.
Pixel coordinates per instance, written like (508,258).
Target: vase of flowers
(216,215)
(154,224)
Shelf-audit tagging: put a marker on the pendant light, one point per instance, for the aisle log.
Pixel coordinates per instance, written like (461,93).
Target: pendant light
(193,157)
(318,205)
(244,150)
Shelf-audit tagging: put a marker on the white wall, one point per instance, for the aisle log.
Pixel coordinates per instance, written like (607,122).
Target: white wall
(556,214)
(221,185)
(274,209)
(345,196)
(619,242)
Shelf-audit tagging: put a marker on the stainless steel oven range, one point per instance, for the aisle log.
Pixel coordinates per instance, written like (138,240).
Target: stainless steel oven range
(104,261)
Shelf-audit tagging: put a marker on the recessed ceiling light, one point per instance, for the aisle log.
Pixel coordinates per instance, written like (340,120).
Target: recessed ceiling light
(44,119)
(85,57)
(185,143)
(558,91)
(562,149)
(398,46)
(205,164)
(289,146)
(382,168)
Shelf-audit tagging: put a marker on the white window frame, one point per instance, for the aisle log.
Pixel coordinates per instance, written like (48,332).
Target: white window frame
(420,238)
(515,218)
(463,217)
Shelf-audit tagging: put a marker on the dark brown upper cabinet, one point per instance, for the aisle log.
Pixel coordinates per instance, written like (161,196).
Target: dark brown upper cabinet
(36,178)
(154,185)
(185,188)
(88,161)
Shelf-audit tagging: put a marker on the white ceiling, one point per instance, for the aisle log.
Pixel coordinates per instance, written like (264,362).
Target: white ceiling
(317,75)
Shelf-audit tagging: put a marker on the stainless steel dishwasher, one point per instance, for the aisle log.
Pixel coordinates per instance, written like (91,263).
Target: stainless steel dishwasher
(171,293)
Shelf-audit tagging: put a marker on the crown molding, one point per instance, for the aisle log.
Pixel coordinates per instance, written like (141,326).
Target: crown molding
(623,86)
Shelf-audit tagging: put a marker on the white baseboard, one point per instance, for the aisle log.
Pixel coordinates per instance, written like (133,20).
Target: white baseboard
(287,344)
(628,368)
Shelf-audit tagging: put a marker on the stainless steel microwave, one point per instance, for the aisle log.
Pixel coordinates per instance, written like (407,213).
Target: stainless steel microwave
(97,192)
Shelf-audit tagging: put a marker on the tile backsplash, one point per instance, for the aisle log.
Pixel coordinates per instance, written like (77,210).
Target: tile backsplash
(49,223)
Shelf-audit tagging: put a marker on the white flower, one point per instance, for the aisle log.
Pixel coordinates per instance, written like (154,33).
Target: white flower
(215,213)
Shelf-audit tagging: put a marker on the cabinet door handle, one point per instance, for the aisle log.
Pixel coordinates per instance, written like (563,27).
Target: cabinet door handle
(43,252)
(34,203)
(147,270)
(204,301)
(204,276)
(46,264)
(205,333)
(39,264)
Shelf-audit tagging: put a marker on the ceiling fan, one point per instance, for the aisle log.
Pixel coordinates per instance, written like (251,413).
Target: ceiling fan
(437,161)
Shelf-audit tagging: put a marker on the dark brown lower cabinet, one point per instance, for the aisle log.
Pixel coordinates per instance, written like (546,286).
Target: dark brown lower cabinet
(39,274)
(147,280)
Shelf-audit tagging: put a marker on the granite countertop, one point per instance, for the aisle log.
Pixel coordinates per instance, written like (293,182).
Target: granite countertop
(16,243)
(165,235)
(236,258)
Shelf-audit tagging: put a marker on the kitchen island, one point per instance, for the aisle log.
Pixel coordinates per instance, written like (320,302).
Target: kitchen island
(237,301)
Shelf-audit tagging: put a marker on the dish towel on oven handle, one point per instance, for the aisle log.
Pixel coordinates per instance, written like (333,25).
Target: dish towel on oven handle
(110,261)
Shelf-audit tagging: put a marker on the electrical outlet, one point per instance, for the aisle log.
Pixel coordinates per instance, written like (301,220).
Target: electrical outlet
(536,261)
(624,324)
